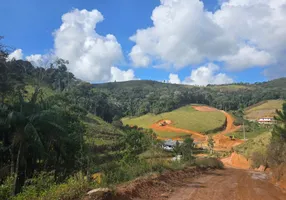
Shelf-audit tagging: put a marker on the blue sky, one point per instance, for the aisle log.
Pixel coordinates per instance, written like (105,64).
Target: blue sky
(29,25)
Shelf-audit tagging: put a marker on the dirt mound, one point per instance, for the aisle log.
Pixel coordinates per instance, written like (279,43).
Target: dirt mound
(205,108)
(236,161)
(155,187)
(224,143)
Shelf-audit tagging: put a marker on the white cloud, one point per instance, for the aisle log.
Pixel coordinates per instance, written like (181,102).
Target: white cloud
(205,75)
(262,24)
(174,78)
(183,33)
(243,33)
(17,55)
(247,57)
(91,56)
(121,75)
(38,60)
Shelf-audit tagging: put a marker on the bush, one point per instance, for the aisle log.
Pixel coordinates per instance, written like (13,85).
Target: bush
(74,188)
(119,172)
(276,153)
(6,188)
(258,159)
(212,163)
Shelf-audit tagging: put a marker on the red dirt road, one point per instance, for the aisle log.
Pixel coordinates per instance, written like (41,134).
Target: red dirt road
(228,184)
(196,135)
(222,142)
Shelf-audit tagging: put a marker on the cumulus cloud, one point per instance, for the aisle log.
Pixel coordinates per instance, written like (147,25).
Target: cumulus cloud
(183,33)
(39,60)
(121,75)
(174,78)
(262,24)
(242,33)
(91,56)
(205,75)
(247,57)
(17,55)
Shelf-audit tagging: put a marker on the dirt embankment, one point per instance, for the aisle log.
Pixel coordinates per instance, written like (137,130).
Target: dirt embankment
(236,161)
(235,184)
(279,175)
(156,187)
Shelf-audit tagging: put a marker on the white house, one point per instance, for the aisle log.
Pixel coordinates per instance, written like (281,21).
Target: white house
(266,120)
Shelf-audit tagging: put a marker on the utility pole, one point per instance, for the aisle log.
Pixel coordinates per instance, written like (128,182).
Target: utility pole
(243,131)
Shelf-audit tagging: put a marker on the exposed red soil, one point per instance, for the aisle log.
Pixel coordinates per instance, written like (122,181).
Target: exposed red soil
(236,161)
(154,187)
(223,142)
(234,184)
(279,175)
(205,108)
(196,135)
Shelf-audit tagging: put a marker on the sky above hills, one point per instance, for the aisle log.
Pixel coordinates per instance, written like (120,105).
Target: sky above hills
(180,41)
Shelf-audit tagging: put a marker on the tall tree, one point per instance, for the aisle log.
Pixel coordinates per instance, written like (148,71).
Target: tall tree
(279,131)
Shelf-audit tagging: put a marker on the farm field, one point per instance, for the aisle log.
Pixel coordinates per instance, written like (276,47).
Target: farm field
(263,109)
(185,118)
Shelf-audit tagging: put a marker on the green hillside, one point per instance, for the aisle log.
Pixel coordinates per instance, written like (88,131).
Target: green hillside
(263,109)
(185,117)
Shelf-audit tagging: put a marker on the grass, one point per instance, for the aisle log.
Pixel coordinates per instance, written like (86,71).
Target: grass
(258,144)
(47,92)
(209,163)
(100,132)
(263,109)
(185,117)
(230,87)
(248,134)
(170,134)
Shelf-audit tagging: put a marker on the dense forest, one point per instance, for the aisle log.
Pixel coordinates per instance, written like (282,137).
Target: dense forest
(141,97)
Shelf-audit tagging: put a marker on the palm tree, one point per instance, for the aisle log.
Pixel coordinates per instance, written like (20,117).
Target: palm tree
(28,127)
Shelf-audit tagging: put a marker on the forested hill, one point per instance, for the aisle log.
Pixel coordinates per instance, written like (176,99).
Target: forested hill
(132,98)
(143,96)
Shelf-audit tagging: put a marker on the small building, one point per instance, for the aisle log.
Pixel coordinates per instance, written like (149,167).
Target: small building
(170,144)
(266,120)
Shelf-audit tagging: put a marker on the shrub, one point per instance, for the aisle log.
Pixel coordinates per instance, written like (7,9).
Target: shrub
(258,159)
(6,188)
(73,188)
(209,163)
(276,153)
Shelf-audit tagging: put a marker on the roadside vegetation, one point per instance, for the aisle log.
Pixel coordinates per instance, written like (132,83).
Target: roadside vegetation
(270,151)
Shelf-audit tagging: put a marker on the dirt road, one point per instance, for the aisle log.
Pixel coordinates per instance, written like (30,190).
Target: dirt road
(228,184)
(222,142)
(168,127)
